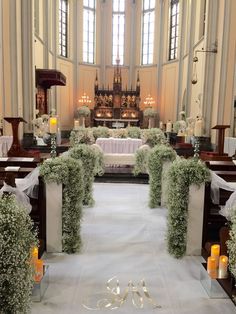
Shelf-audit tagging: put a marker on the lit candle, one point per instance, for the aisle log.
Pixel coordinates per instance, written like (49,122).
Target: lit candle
(212,267)
(198,128)
(76,124)
(223,265)
(35,253)
(215,252)
(38,270)
(168,126)
(53,125)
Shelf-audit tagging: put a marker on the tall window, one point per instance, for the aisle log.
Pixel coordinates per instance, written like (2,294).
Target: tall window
(148,17)
(89,31)
(118,30)
(174,29)
(63,28)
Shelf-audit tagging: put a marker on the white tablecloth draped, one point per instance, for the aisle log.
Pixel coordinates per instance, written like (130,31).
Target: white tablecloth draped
(5,145)
(119,145)
(230,145)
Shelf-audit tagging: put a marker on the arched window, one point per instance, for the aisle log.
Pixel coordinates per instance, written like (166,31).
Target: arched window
(63,28)
(174,29)
(89,31)
(148,19)
(118,30)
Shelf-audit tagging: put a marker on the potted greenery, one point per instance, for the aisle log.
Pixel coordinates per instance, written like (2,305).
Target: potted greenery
(83,112)
(149,113)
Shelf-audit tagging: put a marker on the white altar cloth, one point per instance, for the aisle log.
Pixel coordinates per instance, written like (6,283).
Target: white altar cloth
(5,145)
(230,145)
(113,145)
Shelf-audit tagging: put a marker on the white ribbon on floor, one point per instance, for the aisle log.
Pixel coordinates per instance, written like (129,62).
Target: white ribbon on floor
(115,299)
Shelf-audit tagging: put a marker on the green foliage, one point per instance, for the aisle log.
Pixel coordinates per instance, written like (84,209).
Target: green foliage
(83,111)
(133,132)
(69,172)
(119,133)
(87,155)
(141,160)
(100,131)
(100,165)
(153,136)
(16,272)
(231,244)
(158,155)
(81,136)
(182,173)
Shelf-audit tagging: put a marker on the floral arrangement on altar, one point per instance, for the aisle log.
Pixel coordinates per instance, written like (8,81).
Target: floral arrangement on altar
(149,112)
(133,132)
(157,157)
(82,136)
(153,137)
(88,156)
(231,244)
(16,241)
(83,111)
(69,172)
(119,133)
(182,173)
(41,125)
(100,131)
(180,126)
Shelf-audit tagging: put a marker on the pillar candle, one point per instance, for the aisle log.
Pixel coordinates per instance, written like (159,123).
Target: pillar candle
(38,270)
(34,253)
(198,128)
(212,267)
(76,124)
(215,252)
(168,126)
(53,125)
(223,265)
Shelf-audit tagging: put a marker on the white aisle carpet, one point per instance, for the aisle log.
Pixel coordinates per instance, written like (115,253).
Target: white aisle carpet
(122,237)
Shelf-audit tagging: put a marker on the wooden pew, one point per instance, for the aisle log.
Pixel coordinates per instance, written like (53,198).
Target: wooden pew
(38,212)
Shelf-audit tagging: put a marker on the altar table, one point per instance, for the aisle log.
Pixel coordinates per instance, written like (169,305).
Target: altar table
(119,145)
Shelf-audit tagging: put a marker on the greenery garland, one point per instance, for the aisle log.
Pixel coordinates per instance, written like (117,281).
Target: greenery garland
(16,241)
(231,244)
(182,173)
(88,156)
(158,155)
(141,159)
(153,136)
(69,172)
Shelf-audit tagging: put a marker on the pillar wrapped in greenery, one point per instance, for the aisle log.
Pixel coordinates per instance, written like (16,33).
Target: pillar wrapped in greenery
(231,244)
(69,172)
(157,157)
(16,271)
(182,173)
(89,158)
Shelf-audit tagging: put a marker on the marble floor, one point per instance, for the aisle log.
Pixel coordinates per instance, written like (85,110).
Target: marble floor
(122,237)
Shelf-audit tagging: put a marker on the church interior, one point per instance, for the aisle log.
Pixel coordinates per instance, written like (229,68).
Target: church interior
(118,156)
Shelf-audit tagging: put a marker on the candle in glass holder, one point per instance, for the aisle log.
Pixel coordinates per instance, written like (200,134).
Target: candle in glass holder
(53,125)
(168,126)
(76,124)
(223,266)
(212,267)
(215,252)
(35,253)
(38,270)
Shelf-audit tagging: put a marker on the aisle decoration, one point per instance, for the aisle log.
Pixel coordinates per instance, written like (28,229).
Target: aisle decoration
(231,244)
(16,270)
(141,159)
(69,172)
(153,137)
(81,136)
(88,156)
(159,155)
(181,175)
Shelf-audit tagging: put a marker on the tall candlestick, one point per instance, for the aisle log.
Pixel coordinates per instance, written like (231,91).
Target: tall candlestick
(215,252)
(223,266)
(53,125)
(212,267)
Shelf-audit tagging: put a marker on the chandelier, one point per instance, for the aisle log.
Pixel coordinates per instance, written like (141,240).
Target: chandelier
(84,100)
(149,101)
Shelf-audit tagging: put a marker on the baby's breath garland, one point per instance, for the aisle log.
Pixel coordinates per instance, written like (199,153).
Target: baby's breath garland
(182,173)
(141,160)
(69,172)
(16,272)
(158,155)
(89,158)
(231,244)
(153,136)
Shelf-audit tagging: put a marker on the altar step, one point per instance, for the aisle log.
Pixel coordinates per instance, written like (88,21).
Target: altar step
(122,175)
